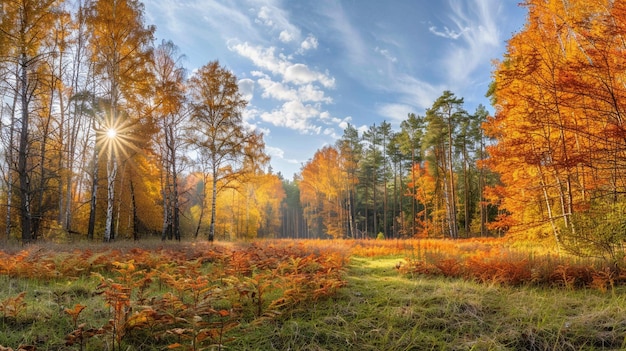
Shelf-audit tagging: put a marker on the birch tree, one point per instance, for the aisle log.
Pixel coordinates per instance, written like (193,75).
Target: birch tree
(170,114)
(120,49)
(24,29)
(218,131)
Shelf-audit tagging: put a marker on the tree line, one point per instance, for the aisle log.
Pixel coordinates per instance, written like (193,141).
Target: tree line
(424,180)
(103,133)
(548,166)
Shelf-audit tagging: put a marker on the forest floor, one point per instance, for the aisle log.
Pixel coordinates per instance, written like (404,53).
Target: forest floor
(285,295)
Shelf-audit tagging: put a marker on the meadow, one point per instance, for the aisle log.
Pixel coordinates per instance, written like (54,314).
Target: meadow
(479,294)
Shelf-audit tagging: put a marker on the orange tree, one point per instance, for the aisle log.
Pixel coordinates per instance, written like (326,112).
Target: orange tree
(558,123)
(324,193)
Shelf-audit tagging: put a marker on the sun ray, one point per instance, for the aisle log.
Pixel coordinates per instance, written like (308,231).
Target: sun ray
(117,139)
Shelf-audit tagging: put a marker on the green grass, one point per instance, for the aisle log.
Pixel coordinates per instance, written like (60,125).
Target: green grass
(43,322)
(382,310)
(379,309)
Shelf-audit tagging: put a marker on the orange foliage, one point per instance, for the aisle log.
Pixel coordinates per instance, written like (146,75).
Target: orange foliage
(425,190)
(13,306)
(251,208)
(493,261)
(210,289)
(559,99)
(324,192)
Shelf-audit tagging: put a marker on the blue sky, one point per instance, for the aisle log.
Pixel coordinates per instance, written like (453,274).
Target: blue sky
(308,68)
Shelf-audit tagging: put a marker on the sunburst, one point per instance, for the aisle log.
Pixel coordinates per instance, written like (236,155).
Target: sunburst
(116,138)
(111,133)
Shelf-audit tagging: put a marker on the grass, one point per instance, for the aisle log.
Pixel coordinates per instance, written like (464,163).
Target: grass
(43,321)
(383,310)
(380,308)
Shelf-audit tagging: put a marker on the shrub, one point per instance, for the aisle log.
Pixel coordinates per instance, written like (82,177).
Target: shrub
(597,232)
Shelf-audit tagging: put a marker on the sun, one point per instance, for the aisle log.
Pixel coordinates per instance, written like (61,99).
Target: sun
(111,133)
(116,139)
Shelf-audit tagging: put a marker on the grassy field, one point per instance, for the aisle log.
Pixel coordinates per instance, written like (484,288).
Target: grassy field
(307,295)
(382,310)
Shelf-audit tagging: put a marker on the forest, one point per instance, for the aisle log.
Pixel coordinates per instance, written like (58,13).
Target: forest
(104,135)
(140,212)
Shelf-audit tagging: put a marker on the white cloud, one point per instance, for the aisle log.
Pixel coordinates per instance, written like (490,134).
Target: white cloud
(448,33)
(310,92)
(310,43)
(331,132)
(411,91)
(299,87)
(261,57)
(300,73)
(386,54)
(294,115)
(265,58)
(395,112)
(480,38)
(275,151)
(246,88)
(347,34)
(344,123)
(186,22)
(249,114)
(295,84)
(263,16)
(285,36)
(334,126)
(276,90)
(277,20)
(282,92)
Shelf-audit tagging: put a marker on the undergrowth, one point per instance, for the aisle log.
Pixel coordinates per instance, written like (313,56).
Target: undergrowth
(185,297)
(308,295)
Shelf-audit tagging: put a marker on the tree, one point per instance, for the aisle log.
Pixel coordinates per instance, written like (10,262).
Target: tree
(442,119)
(386,135)
(24,29)
(251,208)
(218,131)
(292,221)
(170,113)
(394,153)
(480,140)
(270,197)
(75,122)
(411,137)
(120,50)
(69,122)
(351,150)
(426,192)
(370,176)
(250,202)
(559,124)
(323,193)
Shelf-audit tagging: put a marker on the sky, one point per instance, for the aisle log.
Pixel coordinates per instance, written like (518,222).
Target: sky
(309,67)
